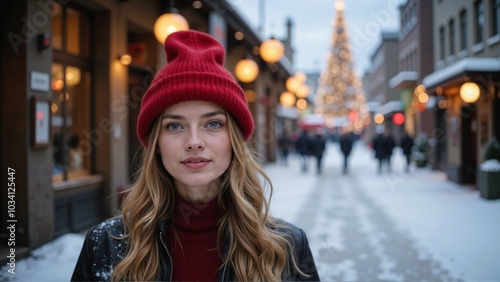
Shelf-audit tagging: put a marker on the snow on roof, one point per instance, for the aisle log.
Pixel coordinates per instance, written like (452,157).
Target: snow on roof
(390,107)
(401,77)
(311,121)
(464,65)
(373,105)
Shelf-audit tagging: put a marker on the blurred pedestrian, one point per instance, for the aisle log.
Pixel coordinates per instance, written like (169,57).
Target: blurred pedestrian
(346,147)
(389,144)
(198,210)
(318,146)
(379,150)
(285,144)
(303,148)
(406,145)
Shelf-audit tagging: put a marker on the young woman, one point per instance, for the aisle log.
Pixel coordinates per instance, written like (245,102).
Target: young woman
(198,209)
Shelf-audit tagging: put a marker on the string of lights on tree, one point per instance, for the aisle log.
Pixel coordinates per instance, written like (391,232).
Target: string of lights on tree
(340,98)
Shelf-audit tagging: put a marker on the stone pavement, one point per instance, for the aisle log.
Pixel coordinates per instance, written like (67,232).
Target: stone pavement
(393,226)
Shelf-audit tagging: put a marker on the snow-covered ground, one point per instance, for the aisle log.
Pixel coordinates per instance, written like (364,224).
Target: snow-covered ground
(453,230)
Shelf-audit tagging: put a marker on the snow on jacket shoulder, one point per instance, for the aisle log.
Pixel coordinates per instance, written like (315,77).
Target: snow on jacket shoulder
(102,251)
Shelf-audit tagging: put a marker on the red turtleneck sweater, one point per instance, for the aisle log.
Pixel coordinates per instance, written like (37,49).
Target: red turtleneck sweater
(194,253)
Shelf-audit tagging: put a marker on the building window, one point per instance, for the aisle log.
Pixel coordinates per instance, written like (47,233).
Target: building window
(479,20)
(451,31)
(71,88)
(463,30)
(495,17)
(442,42)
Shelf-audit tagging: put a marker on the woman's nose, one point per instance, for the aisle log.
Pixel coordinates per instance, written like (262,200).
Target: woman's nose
(194,140)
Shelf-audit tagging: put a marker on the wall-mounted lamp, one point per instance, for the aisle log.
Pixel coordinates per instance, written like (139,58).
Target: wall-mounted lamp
(246,70)
(469,92)
(125,59)
(168,23)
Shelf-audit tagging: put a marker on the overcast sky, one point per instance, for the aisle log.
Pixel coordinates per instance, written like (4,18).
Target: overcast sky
(313,26)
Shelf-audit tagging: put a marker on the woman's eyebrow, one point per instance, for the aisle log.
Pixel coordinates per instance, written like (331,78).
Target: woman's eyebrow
(211,114)
(170,116)
(180,117)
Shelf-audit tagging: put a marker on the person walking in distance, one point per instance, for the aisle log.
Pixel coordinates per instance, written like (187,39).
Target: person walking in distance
(198,210)
(285,144)
(345,143)
(379,149)
(389,143)
(303,147)
(406,145)
(318,146)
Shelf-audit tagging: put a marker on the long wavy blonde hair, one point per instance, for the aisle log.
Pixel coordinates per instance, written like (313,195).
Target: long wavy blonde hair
(256,251)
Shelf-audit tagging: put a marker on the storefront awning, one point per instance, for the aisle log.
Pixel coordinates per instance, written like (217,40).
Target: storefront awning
(462,67)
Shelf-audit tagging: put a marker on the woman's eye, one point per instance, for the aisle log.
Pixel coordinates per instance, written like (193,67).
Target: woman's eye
(214,124)
(173,126)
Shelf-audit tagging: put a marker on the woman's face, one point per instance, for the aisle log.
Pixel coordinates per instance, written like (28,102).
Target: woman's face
(195,148)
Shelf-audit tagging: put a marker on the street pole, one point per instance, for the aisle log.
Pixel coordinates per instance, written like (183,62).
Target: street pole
(261,18)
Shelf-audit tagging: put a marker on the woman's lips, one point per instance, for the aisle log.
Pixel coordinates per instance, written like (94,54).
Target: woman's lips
(195,163)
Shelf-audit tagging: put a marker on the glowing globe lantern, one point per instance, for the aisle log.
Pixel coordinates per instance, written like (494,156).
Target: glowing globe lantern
(379,118)
(246,70)
(167,24)
(292,84)
(469,92)
(301,76)
(287,99)
(398,118)
(301,104)
(302,91)
(272,50)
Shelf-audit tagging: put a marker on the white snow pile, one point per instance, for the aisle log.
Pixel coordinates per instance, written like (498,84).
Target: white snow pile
(54,261)
(490,165)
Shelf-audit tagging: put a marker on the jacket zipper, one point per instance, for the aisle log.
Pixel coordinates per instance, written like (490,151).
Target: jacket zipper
(169,257)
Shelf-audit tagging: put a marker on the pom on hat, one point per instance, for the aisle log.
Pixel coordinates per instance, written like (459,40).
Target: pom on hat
(195,71)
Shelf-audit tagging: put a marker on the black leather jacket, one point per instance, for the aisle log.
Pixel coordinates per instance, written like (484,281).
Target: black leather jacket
(101,253)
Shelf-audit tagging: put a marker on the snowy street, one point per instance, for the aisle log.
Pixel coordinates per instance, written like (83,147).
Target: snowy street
(362,226)
(393,226)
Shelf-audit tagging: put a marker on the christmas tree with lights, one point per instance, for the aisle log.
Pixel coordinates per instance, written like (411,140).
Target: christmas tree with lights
(340,98)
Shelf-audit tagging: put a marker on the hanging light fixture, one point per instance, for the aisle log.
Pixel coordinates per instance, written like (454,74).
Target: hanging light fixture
(272,50)
(302,91)
(168,23)
(287,99)
(246,70)
(301,104)
(469,92)
(292,84)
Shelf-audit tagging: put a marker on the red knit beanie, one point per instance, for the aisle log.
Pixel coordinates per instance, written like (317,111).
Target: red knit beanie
(195,71)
